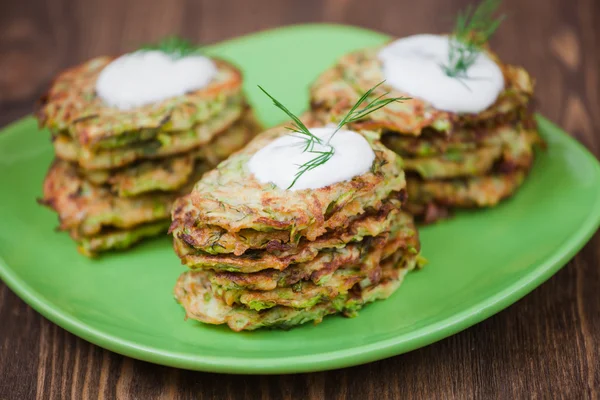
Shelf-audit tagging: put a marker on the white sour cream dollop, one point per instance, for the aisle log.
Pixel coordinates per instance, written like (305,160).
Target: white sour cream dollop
(414,65)
(279,161)
(146,77)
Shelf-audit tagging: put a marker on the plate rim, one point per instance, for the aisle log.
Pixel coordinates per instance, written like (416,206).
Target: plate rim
(351,356)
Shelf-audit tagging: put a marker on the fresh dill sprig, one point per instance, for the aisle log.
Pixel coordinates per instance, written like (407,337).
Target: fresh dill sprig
(321,158)
(473,29)
(354,114)
(174,46)
(298,126)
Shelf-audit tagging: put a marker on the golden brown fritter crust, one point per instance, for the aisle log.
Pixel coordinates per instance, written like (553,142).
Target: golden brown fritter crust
(118,239)
(432,197)
(85,209)
(325,277)
(282,256)
(432,143)
(433,200)
(193,291)
(164,175)
(510,149)
(228,133)
(172,173)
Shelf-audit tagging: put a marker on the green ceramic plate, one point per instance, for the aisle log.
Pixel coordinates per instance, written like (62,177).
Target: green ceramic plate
(480,262)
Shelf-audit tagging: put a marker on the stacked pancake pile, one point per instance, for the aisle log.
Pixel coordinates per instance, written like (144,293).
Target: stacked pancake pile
(452,160)
(117,172)
(262,256)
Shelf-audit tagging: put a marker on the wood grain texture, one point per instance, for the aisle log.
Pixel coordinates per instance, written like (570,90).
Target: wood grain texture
(545,346)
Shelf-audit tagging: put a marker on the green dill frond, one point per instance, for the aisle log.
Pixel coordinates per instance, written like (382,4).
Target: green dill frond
(321,158)
(298,126)
(473,29)
(355,115)
(174,46)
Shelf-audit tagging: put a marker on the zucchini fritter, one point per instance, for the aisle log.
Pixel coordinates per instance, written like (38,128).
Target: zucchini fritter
(483,191)
(339,87)
(105,210)
(452,160)
(234,121)
(325,276)
(172,173)
(514,147)
(119,239)
(230,198)
(87,209)
(267,257)
(193,291)
(72,107)
(277,255)
(118,172)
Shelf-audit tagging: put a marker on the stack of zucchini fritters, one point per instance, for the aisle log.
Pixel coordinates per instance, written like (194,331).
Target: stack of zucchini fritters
(117,172)
(261,256)
(452,160)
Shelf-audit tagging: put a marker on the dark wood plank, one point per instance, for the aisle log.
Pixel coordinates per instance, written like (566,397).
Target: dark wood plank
(546,345)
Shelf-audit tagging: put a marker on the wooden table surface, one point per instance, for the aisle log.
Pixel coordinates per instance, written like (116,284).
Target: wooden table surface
(546,345)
